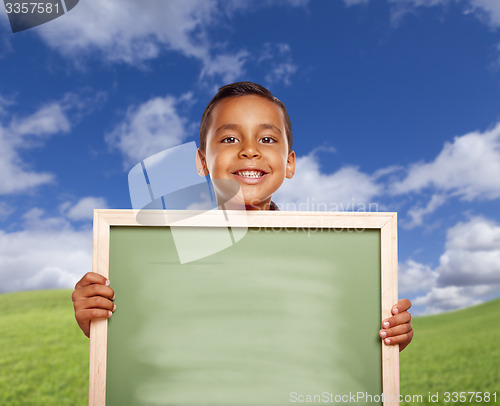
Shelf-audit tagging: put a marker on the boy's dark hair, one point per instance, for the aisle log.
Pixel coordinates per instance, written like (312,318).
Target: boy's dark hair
(241,89)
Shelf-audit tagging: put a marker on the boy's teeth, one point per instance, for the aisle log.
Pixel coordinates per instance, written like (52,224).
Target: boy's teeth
(250,174)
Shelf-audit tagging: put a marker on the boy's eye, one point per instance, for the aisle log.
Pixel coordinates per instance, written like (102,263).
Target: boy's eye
(229,140)
(267,140)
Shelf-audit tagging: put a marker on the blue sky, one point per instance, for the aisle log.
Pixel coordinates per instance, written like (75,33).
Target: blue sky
(393,103)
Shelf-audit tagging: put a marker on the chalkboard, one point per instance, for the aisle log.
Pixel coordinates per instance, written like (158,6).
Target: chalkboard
(271,308)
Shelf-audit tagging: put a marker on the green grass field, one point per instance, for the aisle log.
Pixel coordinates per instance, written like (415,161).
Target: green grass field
(43,353)
(454,352)
(44,356)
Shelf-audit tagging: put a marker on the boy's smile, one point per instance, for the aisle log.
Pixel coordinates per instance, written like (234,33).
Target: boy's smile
(247,143)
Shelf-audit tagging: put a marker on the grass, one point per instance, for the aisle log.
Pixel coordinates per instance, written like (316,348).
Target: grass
(454,352)
(44,355)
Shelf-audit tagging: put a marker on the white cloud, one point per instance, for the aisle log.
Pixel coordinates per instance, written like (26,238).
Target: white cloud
(349,3)
(310,189)
(49,119)
(417,213)
(229,66)
(464,167)
(133,32)
(82,103)
(84,208)
(488,10)
(472,254)
(29,131)
(295,3)
(414,277)
(22,133)
(282,72)
(420,3)
(47,253)
(5,210)
(468,272)
(16,175)
(440,300)
(149,128)
(5,102)
(278,62)
(400,8)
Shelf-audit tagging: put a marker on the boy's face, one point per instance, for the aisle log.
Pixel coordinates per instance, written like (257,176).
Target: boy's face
(247,143)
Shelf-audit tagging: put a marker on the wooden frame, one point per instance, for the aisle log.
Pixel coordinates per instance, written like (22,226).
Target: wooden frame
(385,222)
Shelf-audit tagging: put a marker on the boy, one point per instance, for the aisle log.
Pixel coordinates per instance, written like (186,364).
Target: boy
(245,139)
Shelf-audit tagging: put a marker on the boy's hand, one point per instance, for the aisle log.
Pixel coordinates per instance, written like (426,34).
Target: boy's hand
(92,299)
(398,329)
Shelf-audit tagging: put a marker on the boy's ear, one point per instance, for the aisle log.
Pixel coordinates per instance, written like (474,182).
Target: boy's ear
(290,165)
(201,163)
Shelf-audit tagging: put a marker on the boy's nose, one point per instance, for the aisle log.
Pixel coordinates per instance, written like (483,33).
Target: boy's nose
(249,150)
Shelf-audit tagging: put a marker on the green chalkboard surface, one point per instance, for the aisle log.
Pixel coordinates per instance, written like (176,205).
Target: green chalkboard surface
(282,313)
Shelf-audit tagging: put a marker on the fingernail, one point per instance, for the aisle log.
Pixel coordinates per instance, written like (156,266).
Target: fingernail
(110,314)
(395,310)
(107,282)
(385,324)
(114,308)
(387,340)
(114,295)
(383,334)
